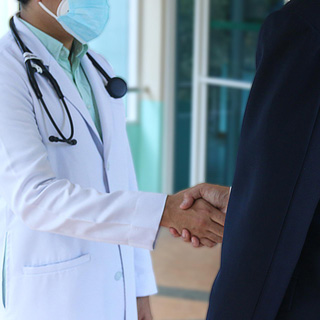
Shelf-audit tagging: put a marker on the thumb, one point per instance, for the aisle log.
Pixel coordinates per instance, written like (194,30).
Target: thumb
(187,202)
(190,196)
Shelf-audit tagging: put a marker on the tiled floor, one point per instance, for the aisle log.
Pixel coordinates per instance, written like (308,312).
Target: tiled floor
(185,276)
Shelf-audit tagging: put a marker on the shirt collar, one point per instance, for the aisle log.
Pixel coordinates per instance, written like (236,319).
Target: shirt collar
(56,48)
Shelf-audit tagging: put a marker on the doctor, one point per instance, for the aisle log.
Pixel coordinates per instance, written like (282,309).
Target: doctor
(70,212)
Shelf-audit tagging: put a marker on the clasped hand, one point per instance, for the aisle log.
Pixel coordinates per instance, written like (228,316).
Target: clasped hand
(198,214)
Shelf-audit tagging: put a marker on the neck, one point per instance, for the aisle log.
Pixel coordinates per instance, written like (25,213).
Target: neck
(44,22)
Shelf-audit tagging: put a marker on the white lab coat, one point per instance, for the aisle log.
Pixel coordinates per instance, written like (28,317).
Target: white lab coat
(59,227)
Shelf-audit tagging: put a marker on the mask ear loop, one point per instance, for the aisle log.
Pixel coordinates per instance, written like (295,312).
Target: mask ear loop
(63,8)
(47,10)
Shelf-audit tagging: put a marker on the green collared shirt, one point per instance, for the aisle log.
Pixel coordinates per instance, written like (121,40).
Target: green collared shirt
(72,68)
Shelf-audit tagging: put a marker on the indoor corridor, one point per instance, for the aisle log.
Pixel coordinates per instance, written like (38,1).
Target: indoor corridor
(184,276)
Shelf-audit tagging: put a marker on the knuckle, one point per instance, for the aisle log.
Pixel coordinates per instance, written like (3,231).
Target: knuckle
(210,244)
(207,243)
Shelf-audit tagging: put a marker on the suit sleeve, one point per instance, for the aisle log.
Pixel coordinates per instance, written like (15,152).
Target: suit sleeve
(274,194)
(46,203)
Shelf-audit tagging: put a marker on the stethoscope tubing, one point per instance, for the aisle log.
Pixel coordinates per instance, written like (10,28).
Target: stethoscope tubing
(116,87)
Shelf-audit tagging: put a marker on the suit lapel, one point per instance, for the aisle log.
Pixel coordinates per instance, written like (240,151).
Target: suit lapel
(72,94)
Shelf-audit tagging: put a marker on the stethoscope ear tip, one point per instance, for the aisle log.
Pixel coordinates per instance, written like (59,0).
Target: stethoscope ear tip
(53,139)
(71,142)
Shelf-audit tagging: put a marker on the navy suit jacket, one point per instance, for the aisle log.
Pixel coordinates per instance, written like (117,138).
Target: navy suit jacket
(270,264)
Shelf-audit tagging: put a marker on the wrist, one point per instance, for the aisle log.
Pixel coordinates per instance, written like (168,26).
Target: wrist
(165,220)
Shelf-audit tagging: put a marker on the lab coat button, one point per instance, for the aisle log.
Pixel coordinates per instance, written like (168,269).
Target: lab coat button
(118,276)
(108,166)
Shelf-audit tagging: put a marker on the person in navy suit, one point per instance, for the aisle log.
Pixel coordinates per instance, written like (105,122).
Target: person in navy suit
(270,264)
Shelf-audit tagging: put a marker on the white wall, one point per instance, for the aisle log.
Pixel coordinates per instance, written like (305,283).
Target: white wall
(152,50)
(7,9)
(113,43)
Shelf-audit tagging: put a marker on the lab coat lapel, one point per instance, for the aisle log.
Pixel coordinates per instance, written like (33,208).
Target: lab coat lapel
(68,88)
(103,101)
(71,93)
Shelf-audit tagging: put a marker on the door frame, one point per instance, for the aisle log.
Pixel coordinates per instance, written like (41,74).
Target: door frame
(169,63)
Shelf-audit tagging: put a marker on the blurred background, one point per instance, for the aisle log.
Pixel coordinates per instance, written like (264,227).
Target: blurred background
(189,65)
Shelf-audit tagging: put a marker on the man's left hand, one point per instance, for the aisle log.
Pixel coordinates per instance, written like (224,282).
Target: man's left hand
(144,309)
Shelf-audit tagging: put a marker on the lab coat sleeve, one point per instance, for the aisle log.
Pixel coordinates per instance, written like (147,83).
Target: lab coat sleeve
(45,203)
(144,275)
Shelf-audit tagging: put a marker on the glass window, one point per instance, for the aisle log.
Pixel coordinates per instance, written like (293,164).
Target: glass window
(226,107)
(234,31)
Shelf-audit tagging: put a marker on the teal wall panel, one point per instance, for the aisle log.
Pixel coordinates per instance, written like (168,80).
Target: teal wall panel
(133,130)
(146,144)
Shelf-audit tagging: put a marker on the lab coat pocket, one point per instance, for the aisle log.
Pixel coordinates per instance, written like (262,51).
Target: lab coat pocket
(56,267)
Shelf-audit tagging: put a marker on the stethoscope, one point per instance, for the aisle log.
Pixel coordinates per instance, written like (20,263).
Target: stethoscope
(116,87)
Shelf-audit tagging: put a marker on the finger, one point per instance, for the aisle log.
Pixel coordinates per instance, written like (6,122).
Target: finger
(175,233)
(208,243)
(218,217)
(186,235)
(217,196)
(195,242)
(213,237)
(216,229)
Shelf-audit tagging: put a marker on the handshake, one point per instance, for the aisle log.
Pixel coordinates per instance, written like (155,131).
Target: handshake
(198,214)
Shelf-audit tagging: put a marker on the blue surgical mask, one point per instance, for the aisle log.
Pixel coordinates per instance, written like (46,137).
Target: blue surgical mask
(83,19)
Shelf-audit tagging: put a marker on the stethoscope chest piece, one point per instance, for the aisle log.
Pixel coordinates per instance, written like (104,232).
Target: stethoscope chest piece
(117,88)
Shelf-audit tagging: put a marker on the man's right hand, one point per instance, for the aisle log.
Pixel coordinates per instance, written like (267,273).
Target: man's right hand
(202,220)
